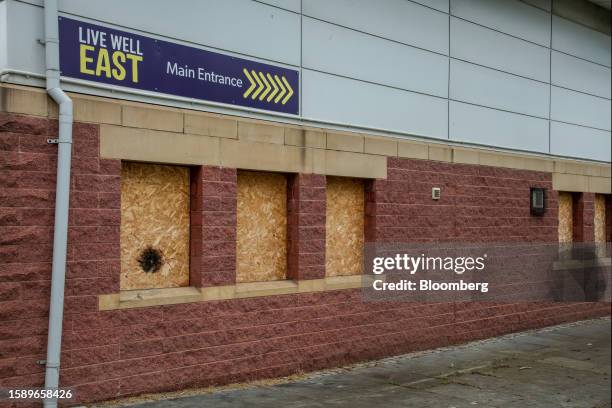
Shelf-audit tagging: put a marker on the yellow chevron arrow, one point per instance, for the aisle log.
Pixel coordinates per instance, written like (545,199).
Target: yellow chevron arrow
(253,84)
(289,89)
(275,90)
(265,81)
(267,87)
(259,84)
(282,91)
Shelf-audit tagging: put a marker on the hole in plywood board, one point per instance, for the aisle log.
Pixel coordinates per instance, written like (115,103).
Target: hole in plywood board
(151,259)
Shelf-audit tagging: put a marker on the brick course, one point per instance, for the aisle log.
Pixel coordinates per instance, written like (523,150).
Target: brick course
(118,353)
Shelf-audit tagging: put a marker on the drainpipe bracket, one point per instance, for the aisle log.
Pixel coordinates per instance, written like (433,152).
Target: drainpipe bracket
(52,141)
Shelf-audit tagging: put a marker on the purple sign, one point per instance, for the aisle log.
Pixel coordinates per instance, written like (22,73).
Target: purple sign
(101,54)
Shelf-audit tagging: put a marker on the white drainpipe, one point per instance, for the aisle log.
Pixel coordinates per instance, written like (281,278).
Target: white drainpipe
(62,198)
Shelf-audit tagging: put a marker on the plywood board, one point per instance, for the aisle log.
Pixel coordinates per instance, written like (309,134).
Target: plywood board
(566,229)
(261,247)
(154,217)
(600,218)
(344,237)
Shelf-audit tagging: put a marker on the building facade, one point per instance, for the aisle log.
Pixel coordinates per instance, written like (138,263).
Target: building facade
(218,216)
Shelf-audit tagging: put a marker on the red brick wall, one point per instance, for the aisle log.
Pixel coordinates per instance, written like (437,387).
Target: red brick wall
(306,227)
(125,352)
(478,203)
(213,226)
(27,196)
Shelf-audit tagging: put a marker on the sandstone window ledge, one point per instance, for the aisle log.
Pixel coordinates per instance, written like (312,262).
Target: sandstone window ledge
(169,296)
(127,299)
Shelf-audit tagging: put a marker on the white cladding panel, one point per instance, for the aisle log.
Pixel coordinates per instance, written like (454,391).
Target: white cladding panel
(543,4)
(581,41)
(397,20)
(384,64)
(475,124)
(578,141)
(441,5)
(488,87)
(333,99)
(508,16)
(292,5)
(3,35)
(330,48)
(580,75)
(579,108)
(25,27)
(241,26)
(487,47)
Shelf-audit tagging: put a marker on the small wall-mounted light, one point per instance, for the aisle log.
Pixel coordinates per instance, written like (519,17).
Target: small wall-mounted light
(538,200)
(435,193)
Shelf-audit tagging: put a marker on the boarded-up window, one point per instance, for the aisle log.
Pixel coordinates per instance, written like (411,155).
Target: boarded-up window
(344,227)
(600,218)
(261,247)
(566,218)
(154,226)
